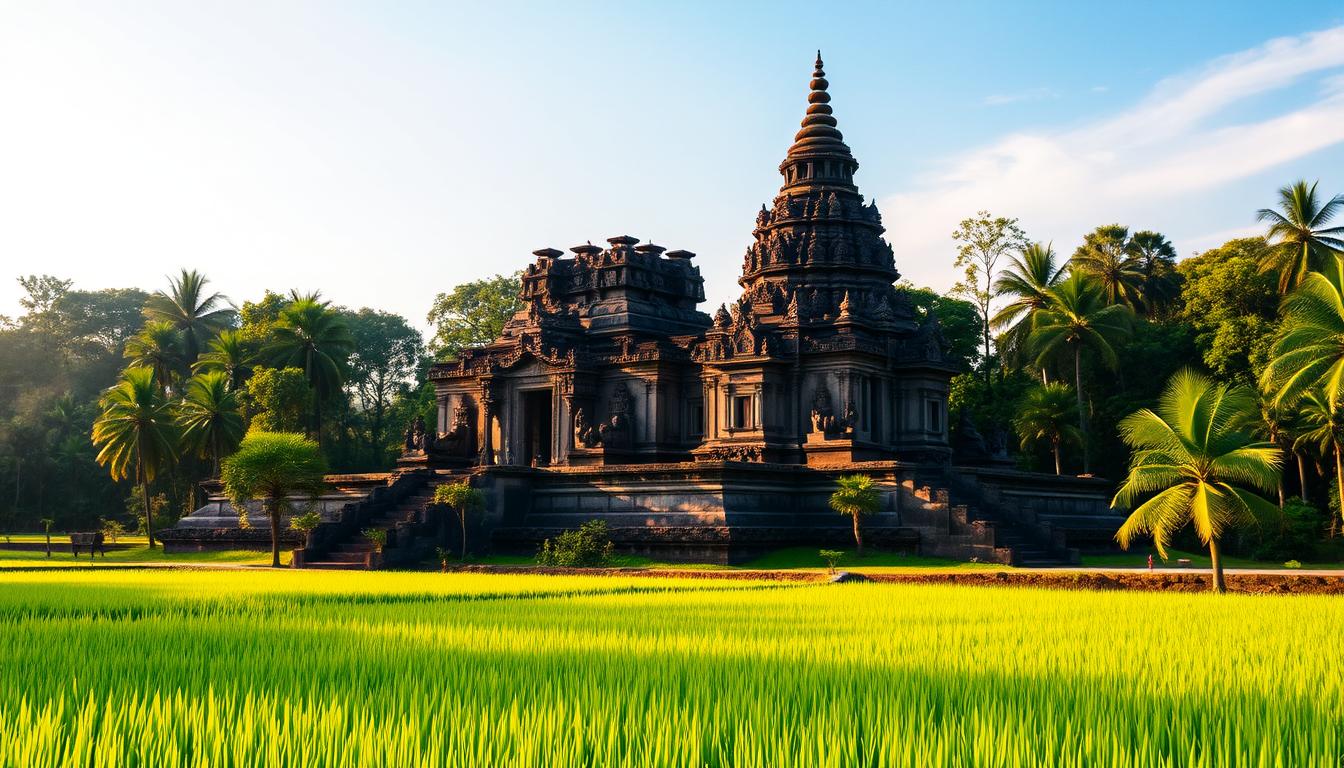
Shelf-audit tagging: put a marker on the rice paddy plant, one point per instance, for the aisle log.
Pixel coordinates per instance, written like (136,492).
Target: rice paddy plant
(384,669)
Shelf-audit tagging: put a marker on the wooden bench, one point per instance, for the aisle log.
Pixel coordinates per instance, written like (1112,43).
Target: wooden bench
(93,542)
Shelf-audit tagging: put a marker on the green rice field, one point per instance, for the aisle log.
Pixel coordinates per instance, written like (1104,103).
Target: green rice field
(247,668)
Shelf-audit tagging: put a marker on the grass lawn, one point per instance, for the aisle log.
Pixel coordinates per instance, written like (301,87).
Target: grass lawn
(140,554)
(61,539)
(259,668)
(1138,558)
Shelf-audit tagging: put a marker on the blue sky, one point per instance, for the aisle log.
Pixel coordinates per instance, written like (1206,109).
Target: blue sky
(385,152)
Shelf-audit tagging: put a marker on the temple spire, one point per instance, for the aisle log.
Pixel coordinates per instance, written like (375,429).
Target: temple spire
(819,134)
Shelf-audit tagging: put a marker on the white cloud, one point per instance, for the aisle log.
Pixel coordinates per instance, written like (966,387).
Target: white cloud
(1160,152)
(1033,94)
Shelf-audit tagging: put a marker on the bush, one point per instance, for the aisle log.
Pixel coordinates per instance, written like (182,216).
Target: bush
(1298,534)
(377,537)
(832,557)
(112,530)
(588,547)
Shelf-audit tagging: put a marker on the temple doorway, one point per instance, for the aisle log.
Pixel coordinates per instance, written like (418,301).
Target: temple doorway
(537,428)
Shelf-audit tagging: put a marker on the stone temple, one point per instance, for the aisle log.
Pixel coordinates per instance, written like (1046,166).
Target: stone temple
(612,395)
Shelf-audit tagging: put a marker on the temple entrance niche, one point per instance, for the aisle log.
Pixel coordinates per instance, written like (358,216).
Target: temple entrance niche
(538,427)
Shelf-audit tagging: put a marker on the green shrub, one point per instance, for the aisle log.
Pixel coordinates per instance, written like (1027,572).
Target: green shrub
(832,557)
(588,547)
(1293,564)
(377,537)
(112,530)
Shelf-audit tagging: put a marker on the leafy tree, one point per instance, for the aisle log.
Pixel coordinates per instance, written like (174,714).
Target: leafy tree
(1047,413)
(1079,317)
(1155,259)
(1232,306)
(135,434)
(272,466)
(42,293)
(158,349)
(984,240)
(314,338)
(277,399)
(94,326)
(385,360)
(1106,255)
(198,317)
(1300,241)
(958,319)
(1194,454)
(473,314)
(1028,281)
(229,353)
(463,500)
(855,496)
(210,417)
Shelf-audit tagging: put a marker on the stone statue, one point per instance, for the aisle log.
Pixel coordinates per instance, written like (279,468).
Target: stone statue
(823,417)
(415,436)
(616,431)
(584,434)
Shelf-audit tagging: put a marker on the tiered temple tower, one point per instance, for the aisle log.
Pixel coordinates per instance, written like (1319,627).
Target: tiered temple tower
(822,358)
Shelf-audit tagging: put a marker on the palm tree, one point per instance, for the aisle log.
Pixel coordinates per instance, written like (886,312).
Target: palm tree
(230,353)
(1079,317)
(188,309)
(210,417)
(1322,428)
(1047,413)
(1308,354)
(1155,259)
(135,434)
(856,495)
(158,348)
(1105,254)
(1195,455)
(311,337)
(1300,242)
(1028,279)
(273,466)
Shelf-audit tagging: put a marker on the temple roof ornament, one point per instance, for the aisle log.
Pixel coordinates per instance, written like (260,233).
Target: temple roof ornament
(819,134)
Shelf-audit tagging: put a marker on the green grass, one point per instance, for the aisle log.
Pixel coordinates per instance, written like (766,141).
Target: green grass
(1138,558)
(62,539)
(795,558)
(137,555)
(258,668)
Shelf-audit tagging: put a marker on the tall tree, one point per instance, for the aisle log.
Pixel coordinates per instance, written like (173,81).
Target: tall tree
(158,348)
(984,240)
(1232,306)
(196,315)
(1320,427)
(313,337)
(1106,255)
(210,418)
(136,435)
(1080,317)
(1028,280)
(272,467)
(1308,354)
(386,356)
(1194,454)
(1300,242)
(473,313)
(1048,413)
(1155,259)
(230,353)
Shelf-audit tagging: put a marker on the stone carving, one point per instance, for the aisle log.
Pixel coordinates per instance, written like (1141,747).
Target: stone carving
(414,437)
(616,431)
(823,416)
(585,434)
(734,453)
(458,439)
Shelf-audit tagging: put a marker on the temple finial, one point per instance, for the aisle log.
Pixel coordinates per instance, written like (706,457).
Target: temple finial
(819,133)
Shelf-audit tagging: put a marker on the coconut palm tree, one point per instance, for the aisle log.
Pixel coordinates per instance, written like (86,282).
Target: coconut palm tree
(187,307)
(1308,354)
(230,353)
(210,417)
(856,496)
(1299,240)
(1028,279)
(1079,317)
(272,467)
(157,348)
(1155,260)
(135,434)
(1322,429)
(1195,462)
(1048,413)
(313,338)
(1105,254)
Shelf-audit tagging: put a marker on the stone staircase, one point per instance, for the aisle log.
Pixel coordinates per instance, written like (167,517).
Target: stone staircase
(957,520)
(410,527)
